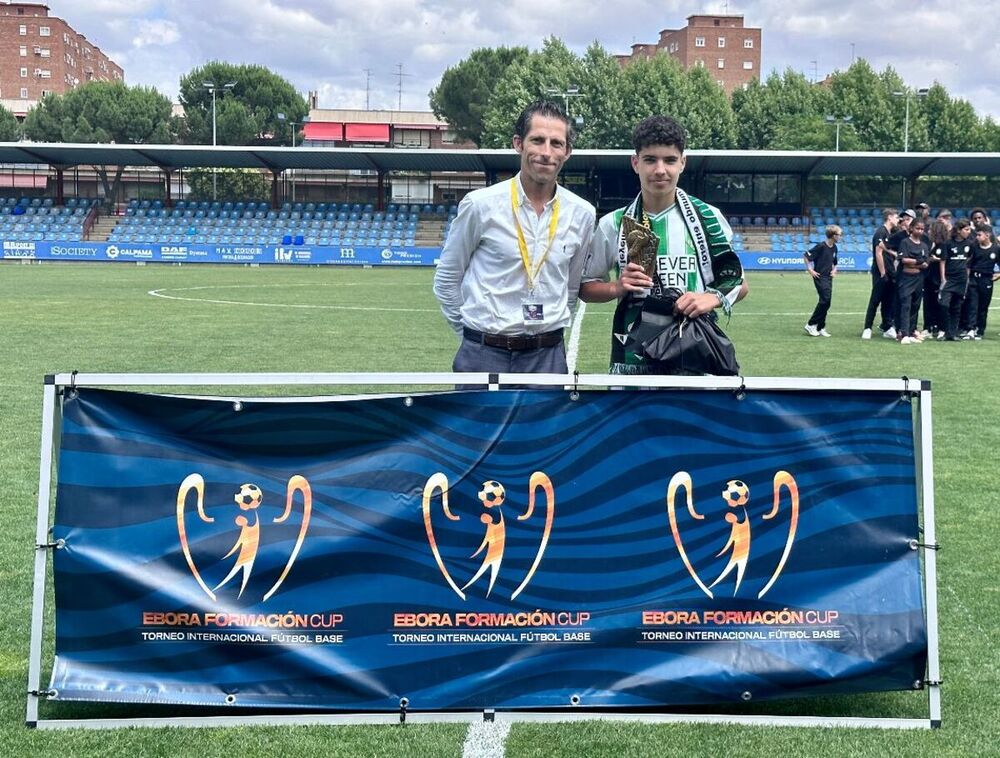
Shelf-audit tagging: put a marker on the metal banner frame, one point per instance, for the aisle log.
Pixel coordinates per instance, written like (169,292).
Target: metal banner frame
(56,386)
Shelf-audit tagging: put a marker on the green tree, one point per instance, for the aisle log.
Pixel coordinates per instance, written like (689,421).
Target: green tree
(764,110)
(952,124)
(659,85)
(103,112)
(464,91)
(232,183)
(813,133)
(10,128)
(708,117)
(877,114)
(601,105)
(554,68)
(246,113)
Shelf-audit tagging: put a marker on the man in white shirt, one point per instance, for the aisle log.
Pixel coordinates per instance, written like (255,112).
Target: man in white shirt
(510,269)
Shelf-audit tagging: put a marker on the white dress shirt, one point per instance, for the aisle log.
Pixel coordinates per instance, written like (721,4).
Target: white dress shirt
(480,279)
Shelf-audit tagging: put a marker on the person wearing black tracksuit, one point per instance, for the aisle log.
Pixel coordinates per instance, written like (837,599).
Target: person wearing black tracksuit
(954,268)
(883,273)
(913,254)
(985,255)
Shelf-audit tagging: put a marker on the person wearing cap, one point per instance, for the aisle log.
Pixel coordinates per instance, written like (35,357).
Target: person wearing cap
(924,213)
(510,268)
(821,263)
(883,278)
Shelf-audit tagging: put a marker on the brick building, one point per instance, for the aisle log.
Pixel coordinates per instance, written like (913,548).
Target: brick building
(722,44)
(40,54)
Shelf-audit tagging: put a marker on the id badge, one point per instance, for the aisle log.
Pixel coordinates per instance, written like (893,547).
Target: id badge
(532,311)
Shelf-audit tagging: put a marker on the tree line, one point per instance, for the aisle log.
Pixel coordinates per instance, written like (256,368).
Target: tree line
(481,96)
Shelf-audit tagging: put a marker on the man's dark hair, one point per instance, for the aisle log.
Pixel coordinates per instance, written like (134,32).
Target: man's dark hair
(658,130)
(984,228)
(545,109)
(974,211)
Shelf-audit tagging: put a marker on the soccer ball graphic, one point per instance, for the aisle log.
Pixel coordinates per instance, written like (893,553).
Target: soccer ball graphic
(248,497)
(736,493)
(492,494)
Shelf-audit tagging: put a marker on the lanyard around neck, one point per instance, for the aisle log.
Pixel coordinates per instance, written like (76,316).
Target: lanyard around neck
(532,272)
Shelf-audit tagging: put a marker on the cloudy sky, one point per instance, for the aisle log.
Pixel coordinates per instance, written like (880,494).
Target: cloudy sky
(326,45)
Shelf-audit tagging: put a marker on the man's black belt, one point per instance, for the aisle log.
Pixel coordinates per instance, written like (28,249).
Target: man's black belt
(515,342)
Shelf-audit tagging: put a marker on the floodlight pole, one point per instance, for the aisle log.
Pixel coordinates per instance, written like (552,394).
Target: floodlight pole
(837,122)
(570,92)
(305,120)
(212,87)
(922,92)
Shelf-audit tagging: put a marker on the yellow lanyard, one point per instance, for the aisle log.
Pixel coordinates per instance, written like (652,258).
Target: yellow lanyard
(532,273)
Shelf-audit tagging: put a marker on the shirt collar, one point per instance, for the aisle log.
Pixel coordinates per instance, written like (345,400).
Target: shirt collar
(523,198)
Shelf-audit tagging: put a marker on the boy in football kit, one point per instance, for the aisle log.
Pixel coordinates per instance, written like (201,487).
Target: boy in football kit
(695,253)
(821,263)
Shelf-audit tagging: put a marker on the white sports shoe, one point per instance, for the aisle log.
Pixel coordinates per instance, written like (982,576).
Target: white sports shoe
(890,333)
(824,333)
(866,334)
(941,335)
(925,334)
(811,330)
(908,341)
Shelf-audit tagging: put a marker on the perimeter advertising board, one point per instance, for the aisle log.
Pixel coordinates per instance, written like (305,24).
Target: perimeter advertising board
(507,549)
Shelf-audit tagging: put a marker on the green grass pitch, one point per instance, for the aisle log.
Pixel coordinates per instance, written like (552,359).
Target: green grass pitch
(101,318)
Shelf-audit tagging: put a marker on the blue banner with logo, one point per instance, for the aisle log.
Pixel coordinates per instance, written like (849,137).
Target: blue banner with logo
(792,260)
(198,253)
(512,549)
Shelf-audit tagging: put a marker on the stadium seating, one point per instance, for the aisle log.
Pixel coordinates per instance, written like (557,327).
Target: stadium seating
(300,223)
(39,219)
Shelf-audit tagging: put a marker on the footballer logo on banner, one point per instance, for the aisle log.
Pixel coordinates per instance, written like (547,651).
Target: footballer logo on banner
(492,496)
(248,537)
(737,514)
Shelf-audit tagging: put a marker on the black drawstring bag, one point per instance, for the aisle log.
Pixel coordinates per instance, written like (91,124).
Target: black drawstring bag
(679,345)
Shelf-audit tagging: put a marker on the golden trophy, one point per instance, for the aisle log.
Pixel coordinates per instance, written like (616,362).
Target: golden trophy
(641,244)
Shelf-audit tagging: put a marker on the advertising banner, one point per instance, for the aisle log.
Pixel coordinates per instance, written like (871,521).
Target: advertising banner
(792,260)
(504,549)
(776,260)
(198,253)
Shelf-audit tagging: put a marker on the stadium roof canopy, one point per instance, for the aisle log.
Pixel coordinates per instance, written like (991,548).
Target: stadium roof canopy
(174,157)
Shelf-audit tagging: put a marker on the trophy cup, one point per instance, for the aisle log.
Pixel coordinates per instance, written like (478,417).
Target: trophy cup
(641,244)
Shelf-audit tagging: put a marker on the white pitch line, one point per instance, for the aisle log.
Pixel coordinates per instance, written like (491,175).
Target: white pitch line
(381,309)
(573,346)
(486,739)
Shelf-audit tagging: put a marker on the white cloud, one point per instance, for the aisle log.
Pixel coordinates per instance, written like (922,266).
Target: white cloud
(155,33)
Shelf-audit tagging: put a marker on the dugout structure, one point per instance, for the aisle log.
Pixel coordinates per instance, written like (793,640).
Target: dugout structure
(593,596)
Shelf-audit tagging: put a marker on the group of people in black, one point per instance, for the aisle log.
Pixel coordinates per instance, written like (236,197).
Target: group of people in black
(947,265)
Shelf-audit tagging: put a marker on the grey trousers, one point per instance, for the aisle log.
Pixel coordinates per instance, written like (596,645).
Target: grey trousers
(476,357)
